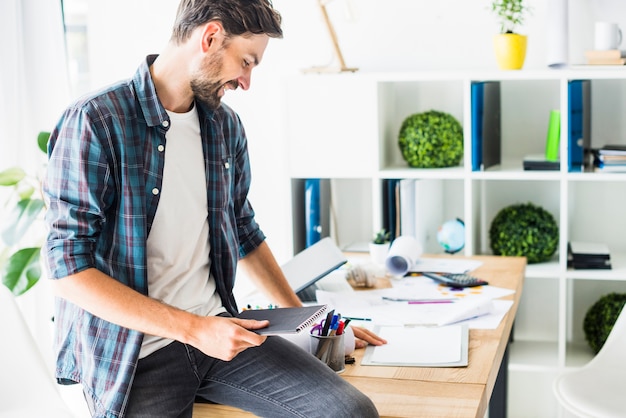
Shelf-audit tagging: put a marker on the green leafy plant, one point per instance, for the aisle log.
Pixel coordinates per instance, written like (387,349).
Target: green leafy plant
(19,247)
(381,237)
(524,230)
(431,139)
(601,317)
(510,14)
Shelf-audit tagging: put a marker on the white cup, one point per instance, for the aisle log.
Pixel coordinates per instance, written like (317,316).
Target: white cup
(607,36)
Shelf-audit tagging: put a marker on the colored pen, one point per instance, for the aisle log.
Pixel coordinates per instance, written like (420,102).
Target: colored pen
(427,302)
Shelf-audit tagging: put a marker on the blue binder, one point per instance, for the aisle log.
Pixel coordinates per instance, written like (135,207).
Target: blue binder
(579,132)
(312,211)
(477,124)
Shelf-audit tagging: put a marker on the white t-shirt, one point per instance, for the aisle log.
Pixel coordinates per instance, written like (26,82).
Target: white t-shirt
(178,244)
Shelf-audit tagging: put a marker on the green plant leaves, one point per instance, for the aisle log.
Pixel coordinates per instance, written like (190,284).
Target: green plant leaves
(524,230)
(601,317)
(11,176)
(431,139)
(42,141)
(22,270)
(20,219)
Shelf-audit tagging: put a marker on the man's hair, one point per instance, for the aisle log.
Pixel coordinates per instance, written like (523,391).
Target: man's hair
(238,17)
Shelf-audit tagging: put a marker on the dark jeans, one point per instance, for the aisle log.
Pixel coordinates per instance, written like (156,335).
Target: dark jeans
(276,379)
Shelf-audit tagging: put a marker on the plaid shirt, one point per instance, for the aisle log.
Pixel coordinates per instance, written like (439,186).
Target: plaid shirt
(102,188)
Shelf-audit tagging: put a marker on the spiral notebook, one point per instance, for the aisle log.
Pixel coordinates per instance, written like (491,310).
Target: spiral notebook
(285,320)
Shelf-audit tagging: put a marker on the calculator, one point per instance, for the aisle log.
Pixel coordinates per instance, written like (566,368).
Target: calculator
(455,279)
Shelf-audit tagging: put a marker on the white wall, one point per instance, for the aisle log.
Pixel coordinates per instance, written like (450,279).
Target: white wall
(388,35)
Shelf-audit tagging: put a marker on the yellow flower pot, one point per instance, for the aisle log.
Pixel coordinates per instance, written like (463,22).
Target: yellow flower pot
(510,50)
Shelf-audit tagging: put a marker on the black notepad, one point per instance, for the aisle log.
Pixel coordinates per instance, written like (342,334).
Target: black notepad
(285,320)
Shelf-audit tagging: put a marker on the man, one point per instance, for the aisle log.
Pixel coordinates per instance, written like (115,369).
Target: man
(148,217)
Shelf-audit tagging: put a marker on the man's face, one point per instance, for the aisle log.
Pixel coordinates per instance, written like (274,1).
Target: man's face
(229,66)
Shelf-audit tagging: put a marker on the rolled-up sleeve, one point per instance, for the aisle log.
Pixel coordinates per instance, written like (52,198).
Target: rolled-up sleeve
(75,189)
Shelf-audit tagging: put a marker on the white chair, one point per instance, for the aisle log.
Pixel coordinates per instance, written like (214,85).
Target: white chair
(27,388)
(596,390)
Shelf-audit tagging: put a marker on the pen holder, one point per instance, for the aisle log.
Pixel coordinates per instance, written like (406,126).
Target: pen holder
(330,350)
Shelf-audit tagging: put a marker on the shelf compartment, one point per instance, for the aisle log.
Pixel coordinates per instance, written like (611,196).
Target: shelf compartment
(418,207)
(595,213)
(494,195)
(518,126)
(400,99)
(582,294)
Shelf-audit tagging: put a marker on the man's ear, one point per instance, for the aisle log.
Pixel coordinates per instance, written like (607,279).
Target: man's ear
(212,35)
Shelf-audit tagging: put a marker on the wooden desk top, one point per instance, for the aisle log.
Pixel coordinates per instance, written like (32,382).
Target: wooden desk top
(434,392)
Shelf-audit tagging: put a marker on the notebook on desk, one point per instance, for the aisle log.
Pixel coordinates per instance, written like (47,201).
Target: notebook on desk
(420,346)
(310,265)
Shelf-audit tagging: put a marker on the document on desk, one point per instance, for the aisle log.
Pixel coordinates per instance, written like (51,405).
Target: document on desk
(374,306)
(420,347)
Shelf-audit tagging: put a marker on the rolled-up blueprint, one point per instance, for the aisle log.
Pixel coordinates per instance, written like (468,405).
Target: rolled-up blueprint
(402,255)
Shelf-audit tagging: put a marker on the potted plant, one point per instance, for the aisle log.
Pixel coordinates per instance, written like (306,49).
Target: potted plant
(380,246)
(20,243)
(509,45)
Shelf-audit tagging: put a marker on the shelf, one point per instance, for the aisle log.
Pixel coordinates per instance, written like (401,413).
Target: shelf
(346,126)
(617,271)
(596,177)
(512,170)
(547,270)
(398,172)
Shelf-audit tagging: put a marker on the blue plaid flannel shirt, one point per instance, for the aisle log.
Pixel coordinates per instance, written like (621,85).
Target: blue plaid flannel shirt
(106,158)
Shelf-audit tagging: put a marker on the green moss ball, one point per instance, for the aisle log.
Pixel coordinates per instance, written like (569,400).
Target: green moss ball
(601,317)
(431,139)
(524,230)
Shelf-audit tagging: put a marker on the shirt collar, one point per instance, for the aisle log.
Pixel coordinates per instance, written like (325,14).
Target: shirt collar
(153,111)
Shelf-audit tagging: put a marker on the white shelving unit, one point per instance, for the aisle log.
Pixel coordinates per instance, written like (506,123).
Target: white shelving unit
(344,127)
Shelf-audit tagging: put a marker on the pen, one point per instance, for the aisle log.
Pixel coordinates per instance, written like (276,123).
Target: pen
(329,317)
(427,302)
(354,318)
(418,301)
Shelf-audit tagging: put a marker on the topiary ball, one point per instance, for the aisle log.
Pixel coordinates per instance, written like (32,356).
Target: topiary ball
(431,139)
(601,317)
(524,230)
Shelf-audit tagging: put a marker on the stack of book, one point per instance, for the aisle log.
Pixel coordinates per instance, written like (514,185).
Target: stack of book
(611,158)
(607,57)
(587,255)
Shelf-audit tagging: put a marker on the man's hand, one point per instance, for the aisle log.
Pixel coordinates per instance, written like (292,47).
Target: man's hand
(224,338)
(364,336)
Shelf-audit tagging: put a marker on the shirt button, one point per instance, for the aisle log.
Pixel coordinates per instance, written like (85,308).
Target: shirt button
(160,148)
(155,191)
(165,123)
(227,165)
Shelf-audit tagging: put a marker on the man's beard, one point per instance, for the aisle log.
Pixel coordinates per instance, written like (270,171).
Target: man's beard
(206,86)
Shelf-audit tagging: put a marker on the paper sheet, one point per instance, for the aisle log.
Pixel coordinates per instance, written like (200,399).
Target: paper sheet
(477,306)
